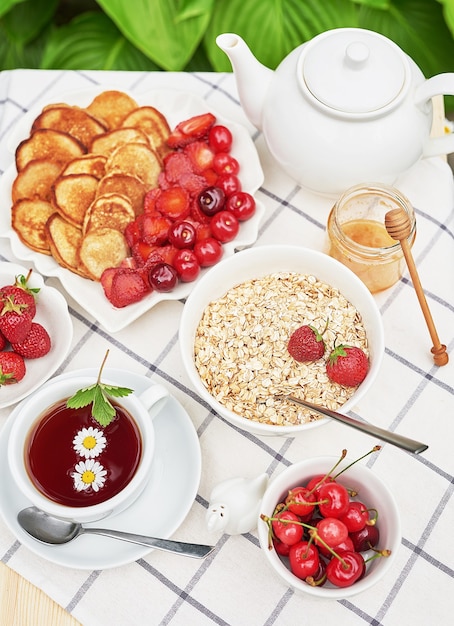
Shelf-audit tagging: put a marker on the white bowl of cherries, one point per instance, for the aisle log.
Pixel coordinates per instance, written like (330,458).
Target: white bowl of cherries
(339,547)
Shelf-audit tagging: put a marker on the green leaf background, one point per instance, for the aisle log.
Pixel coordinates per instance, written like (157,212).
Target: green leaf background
(177,35)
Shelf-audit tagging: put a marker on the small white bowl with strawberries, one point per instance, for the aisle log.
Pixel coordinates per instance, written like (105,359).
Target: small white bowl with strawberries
(35,332)
(274,321)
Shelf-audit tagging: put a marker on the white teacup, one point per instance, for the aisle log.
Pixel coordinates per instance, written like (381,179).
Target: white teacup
(92,468)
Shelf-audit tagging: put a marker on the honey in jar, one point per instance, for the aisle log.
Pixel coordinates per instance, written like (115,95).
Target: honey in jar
(357,236)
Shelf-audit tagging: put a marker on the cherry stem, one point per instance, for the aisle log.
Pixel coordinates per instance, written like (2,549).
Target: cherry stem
(374,449)
(310,580)
(372,521)
(326,476)
(313,534)
(378,553)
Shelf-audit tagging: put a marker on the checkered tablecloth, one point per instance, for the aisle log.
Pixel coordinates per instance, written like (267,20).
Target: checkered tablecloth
(234,585)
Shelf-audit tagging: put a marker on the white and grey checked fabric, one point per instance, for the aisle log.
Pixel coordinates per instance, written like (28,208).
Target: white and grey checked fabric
(234,585)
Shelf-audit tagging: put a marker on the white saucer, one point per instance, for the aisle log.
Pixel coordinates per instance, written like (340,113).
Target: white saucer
(158,512)
(52,313)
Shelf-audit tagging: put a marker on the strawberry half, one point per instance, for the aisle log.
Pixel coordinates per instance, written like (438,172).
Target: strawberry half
(347,366)
(306,344)
(35,345)
(200,155)
(12,368)
(193,128)
(173,203)
(127,286)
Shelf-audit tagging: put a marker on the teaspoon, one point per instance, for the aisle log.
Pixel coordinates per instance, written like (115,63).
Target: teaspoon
(53,530)
(393,438)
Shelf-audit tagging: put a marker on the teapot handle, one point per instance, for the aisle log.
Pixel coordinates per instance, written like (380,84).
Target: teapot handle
(442,84)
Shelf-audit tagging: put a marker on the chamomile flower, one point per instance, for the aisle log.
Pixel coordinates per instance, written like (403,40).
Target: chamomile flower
(89,473)
(89,442)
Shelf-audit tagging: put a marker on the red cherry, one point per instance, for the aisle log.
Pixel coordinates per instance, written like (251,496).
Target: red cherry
(281,548)
(366,538)
(334,500)
(316,482)
(356,516)
(285,529)
(211,200)
(220,138)
(242,205)
(186,264)
(208,251)
(224,163)
(182,234)
(345,572)
(300,501)
(332,531)
(163,277)
(343,545)
(229,183)
(304,559)
(224,226)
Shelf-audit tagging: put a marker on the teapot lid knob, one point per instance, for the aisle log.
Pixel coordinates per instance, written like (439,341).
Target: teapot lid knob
(356,54)
(354,71)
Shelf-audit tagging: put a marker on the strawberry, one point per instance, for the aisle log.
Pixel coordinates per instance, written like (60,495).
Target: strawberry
(35,345)
(167,253)
(141,251)
(3,341)
(15,319)
(129,262)
(106,280)
(155,228)
(306,344)
(133,231)
(175,165)
(193,128)
(347,365)
(127,287)
(193,183)
(200,155)
(149,201)
(21,293)
(12,368)
(173,203)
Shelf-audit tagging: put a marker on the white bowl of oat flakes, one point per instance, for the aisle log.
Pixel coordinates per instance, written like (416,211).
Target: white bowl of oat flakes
(235,328)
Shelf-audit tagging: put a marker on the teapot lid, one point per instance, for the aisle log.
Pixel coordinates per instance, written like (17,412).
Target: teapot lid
(353,70)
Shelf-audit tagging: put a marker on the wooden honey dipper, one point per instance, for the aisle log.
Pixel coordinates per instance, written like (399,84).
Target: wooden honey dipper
(398,226)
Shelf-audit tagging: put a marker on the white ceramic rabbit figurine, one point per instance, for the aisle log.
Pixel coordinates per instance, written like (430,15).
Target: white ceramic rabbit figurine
(235,503)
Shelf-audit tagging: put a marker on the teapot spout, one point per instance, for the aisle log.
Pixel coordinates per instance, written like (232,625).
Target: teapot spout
(252,78)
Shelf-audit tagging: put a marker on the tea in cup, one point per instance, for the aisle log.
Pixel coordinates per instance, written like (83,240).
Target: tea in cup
(71,466)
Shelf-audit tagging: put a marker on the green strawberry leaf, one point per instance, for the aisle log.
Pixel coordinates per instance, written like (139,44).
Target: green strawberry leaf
(22,282)
(98,396)
(116,392)
(82,397)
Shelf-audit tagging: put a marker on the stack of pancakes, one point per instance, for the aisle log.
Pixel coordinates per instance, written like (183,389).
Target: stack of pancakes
(82,175)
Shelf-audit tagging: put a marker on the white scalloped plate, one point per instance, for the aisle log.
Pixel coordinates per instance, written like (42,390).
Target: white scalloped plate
(52,313)
(176,106)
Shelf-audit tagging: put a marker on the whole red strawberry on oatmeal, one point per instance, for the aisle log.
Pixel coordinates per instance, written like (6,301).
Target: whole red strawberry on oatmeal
(306,343)
(347,365)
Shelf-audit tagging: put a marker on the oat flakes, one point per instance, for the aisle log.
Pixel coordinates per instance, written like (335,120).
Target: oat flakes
(241,346)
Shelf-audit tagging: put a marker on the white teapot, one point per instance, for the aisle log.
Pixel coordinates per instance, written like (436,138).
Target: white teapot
(347,107)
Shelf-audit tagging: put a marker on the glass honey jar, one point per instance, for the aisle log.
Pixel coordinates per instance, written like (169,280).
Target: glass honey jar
(357,235)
